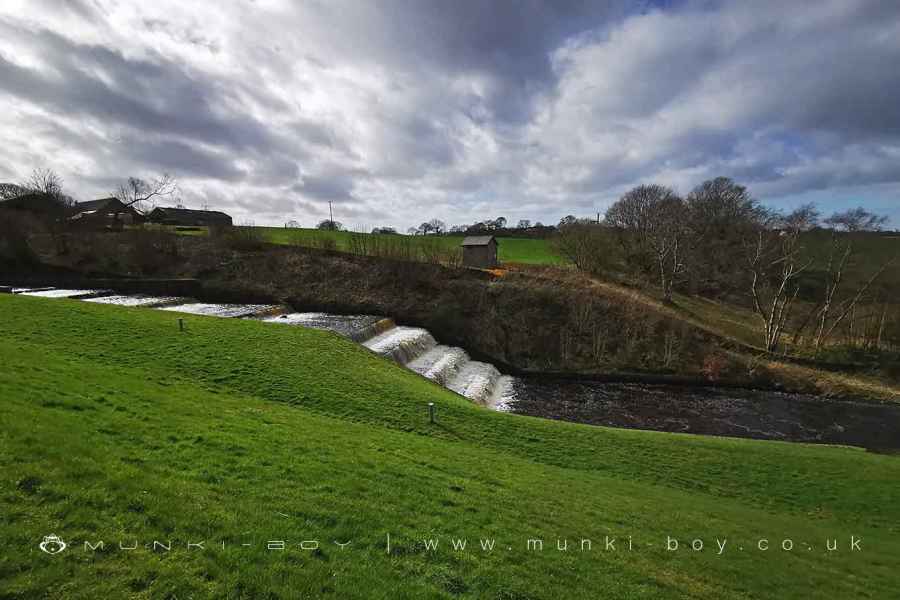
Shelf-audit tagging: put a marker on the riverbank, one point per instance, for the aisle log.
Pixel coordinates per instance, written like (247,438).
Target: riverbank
(519,322)
(698,409)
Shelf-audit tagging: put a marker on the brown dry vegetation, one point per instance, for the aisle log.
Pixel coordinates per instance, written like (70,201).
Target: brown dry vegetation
(545,319)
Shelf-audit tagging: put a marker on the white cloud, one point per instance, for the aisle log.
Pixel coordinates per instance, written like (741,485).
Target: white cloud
(402,112)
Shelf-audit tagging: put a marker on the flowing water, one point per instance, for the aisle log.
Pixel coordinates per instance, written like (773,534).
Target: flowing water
(358,328)
(220,310)
(402,344)
(147,301)
(700,410)
(55,293)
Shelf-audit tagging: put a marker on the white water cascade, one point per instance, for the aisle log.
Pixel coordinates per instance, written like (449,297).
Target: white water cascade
(402,344)
(412,347)
(451,367)
(220,310)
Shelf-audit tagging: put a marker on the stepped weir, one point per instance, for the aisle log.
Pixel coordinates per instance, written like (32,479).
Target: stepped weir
(411,347)
(699,409)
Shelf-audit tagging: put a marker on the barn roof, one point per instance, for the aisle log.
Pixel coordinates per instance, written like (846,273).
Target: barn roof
(479,240)
(91,205)
(189,212)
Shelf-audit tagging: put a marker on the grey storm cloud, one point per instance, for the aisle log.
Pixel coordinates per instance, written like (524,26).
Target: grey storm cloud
(333,187)
(400,111)
(153,94)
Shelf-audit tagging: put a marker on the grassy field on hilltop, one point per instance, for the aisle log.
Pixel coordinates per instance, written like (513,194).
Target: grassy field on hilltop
(872,250)
(519,250)
(119,427)
(514,250)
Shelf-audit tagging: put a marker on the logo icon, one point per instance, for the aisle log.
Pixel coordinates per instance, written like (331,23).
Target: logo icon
(52,544)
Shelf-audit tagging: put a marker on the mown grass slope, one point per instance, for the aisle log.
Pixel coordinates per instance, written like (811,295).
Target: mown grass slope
(116,426)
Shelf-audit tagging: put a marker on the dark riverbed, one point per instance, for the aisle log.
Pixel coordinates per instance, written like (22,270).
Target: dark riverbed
(755,414)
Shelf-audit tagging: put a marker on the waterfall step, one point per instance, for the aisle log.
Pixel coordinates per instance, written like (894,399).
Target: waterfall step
(440,364)
(221,310)
(359,328)
(63,293)
(504,394)
(475,381)
(143,301)
(412,347)
(402,344)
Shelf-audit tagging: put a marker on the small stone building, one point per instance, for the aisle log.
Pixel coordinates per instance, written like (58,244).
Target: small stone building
(480,251)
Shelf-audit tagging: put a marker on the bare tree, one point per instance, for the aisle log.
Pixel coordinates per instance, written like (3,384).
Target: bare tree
(329,225)
(721,214)
(776,262)
(523,224)
(665,235)
(855,220)
(437,226)
(567,220)
(47,183)
(590,247)
(650,220)
(137,191)
(833,311)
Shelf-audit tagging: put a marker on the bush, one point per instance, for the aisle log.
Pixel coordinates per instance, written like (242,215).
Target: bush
(435,251)
(15,238)
(152,249)
(245,237)
(590,248)
(716,366)
(325,242)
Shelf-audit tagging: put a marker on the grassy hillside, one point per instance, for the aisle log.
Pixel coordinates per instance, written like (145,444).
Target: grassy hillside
(512,250)
(519,250)
(118,427)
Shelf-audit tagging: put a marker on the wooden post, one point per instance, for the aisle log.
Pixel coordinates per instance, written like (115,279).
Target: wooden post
(431,416)
(180,324)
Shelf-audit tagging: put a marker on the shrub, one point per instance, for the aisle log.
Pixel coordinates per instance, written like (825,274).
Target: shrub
(325,242)
(245,237)
(715,366)
(15,243)
(590,248)
(152,249)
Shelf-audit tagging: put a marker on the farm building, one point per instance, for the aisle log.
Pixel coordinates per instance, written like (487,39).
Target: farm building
(480,251)
(188,217)
(105,212)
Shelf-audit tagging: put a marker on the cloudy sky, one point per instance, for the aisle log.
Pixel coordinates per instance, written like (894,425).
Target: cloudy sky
(400,111)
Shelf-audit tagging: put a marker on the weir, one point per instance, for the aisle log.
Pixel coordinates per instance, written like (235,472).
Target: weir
(56,293)
(145,301)
(402,344)
(221,310)
(689,409)
(412,347)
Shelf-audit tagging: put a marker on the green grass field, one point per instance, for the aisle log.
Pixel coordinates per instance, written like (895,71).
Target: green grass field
(518,250)
(118,427)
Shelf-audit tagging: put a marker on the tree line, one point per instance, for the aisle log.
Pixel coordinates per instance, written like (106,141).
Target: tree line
(720,242)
